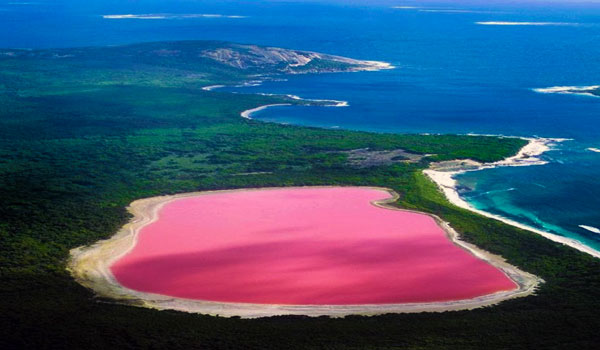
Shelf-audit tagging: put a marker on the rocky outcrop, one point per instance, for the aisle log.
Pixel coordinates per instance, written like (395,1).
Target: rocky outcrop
(287,61)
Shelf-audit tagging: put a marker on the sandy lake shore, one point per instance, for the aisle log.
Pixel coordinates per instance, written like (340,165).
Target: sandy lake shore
(90,266)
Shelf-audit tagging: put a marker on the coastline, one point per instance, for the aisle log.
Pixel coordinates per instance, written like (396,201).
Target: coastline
(361,66)
(372,66)
(442,174)
(247,114)
(90,266)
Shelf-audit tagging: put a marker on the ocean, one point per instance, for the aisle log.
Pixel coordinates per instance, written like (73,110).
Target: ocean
(460,68)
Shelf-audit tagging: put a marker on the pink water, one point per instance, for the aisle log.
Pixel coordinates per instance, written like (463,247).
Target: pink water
(302,246)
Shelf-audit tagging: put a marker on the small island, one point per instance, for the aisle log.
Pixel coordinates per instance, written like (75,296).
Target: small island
(592,91)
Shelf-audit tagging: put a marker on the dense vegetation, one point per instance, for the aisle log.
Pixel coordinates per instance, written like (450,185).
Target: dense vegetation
(80,139)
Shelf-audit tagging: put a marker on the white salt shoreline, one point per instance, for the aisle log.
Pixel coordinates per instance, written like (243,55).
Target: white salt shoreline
(528,155)
(90,266)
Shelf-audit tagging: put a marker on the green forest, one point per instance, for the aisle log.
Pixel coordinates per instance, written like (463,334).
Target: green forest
(84,132)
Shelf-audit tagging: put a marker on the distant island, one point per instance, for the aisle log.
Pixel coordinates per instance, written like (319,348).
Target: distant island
(593,91)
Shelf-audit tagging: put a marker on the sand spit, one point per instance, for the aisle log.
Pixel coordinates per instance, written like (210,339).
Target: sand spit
(443,173)
(90,266)
(570,90)
(590,228)
(247,114)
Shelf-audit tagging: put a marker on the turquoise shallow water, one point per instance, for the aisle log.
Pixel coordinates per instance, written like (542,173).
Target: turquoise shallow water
(557,197)
(453,76)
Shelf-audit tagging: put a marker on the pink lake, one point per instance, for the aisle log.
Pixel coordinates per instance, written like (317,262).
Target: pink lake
(302,246)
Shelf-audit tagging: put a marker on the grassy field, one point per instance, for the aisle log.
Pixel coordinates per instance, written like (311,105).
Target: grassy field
(81,137)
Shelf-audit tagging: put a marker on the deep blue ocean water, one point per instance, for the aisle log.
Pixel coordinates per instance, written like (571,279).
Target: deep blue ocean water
(452,76)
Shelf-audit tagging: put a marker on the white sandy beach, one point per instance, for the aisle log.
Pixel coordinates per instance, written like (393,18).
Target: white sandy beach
(247,114)
(443,175)
(90,266)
